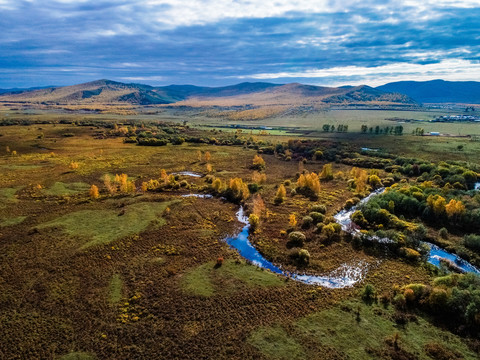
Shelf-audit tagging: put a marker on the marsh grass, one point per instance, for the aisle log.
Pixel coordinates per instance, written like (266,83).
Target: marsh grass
(275,343)
(12,221)
(353,335)
(99,227)
(115,289)
(208,279)
(62,189)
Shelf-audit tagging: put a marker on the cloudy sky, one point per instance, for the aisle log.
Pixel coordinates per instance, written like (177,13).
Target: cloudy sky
(220,42)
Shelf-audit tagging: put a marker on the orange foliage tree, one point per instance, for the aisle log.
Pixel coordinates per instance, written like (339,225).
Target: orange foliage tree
(94,194)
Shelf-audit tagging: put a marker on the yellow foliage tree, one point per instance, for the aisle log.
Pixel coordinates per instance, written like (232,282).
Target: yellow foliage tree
(207,156)
(254,221)
(258,205)
(258,162)
(455,209)
(217,185)
(163,175)
(361,181)
(281,194)
(259,178)
(437,203)
(374,181)
(122,181)
(327,172)
(292,220)
(309,181)
(73,165)
(108,184)
(238,189)
(209,168)
(94,194)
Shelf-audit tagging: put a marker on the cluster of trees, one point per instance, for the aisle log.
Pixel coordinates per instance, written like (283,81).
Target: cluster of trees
(387,130)
(234,190)
(308,184)
(454,299)
(331,128)
(163,182)
(437,206)
(118,184)
(418,131)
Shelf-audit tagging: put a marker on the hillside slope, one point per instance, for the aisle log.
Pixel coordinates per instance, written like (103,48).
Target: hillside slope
(254,94)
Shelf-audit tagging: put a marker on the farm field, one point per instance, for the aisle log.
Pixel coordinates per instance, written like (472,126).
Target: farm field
(137,270)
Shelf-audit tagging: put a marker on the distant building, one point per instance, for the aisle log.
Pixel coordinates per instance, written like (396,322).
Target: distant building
(434,133)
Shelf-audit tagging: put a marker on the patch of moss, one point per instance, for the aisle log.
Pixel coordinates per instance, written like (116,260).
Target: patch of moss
(7,195)
(12,221)
(207,279)
(77,356)
(62,189)
(101,227)
(21,167)
(115,289)
(275,343)
(356,335)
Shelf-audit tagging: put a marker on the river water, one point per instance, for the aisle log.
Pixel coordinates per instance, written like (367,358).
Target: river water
(344,276)
(348,273)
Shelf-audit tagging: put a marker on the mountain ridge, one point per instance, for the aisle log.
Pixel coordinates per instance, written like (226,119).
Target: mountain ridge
(104,91)
(437,91)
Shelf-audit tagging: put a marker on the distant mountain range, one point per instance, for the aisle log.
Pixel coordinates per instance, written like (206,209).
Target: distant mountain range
(437,91)
(405,93)
(256,94)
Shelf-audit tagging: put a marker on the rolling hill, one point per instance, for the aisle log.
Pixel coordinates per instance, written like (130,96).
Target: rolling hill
(437,91)
(299,94)
(256,94)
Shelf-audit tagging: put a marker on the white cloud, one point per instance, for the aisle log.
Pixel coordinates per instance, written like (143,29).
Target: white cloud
(143,78)
(452,69)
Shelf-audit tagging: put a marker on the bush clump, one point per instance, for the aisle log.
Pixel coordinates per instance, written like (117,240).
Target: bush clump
(296,239)
(472,241)
(322,209)
(368,293)
(307,222)
(301,257)
(316,217)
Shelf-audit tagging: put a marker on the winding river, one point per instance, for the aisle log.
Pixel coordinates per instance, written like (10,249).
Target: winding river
(344,276)
(347,274)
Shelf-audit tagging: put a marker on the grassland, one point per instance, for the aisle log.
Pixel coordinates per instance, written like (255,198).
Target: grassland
(99,227)
(355,330)
(133,275)
(209,278)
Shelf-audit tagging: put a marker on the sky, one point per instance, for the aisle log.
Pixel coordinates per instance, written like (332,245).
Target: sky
(223,42)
